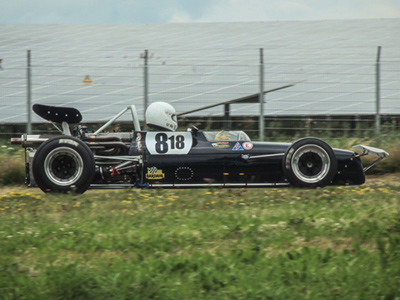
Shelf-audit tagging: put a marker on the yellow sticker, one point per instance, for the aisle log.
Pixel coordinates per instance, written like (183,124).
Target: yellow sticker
(153,173)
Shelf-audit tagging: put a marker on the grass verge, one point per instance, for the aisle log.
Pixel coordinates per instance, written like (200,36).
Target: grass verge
(336,242)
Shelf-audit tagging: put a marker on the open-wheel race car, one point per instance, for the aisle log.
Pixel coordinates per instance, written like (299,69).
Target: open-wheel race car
(77,160)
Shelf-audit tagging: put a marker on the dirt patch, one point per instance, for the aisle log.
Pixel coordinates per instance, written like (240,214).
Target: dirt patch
(384,179)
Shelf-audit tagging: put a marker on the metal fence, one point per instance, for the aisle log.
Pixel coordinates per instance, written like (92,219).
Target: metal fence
(327,95)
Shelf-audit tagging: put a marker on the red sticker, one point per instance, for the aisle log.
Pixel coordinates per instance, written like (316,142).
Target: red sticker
(247,145)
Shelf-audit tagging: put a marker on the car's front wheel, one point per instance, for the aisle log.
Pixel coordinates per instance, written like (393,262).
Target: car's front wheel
(309,162)
(63,164)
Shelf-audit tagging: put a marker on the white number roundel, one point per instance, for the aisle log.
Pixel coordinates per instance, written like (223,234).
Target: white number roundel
(169,142)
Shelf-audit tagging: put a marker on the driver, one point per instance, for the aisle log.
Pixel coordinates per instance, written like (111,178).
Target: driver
(161,116)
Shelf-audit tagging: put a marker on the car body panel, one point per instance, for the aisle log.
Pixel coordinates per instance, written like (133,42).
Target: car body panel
(226,161)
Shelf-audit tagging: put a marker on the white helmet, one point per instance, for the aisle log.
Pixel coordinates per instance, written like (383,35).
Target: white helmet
(161,115)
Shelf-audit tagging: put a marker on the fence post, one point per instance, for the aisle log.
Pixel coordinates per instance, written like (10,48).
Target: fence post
(28,93)
(378,97)
(145,84)
(261,97)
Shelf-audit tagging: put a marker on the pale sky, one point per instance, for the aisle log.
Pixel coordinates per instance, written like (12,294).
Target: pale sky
(178,11)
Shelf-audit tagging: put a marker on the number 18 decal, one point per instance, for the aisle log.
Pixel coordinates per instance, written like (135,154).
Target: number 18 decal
(169,142)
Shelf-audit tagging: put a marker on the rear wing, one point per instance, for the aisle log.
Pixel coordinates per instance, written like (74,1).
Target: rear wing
(367,150)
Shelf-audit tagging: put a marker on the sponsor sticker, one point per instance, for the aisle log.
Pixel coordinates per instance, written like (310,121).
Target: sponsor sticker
(237,147)
(153,173)
(248,146)
(221,145)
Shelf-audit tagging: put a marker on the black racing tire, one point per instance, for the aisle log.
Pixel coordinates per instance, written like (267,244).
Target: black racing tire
(63,164)
(309,162)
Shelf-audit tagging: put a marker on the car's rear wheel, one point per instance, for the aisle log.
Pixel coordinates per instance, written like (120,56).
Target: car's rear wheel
(63,164)
(309,162)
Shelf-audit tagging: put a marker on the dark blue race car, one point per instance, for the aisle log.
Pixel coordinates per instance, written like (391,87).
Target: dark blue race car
(77,160)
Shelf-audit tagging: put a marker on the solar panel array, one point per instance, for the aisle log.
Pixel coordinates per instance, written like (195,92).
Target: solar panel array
(332,64)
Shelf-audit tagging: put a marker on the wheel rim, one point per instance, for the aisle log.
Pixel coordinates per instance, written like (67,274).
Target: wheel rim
(63,166)
(310,163)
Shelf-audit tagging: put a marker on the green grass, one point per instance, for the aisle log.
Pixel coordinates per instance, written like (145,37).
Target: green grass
(332,243)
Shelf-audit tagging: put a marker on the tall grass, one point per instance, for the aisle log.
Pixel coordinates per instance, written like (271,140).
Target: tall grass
(12,169)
